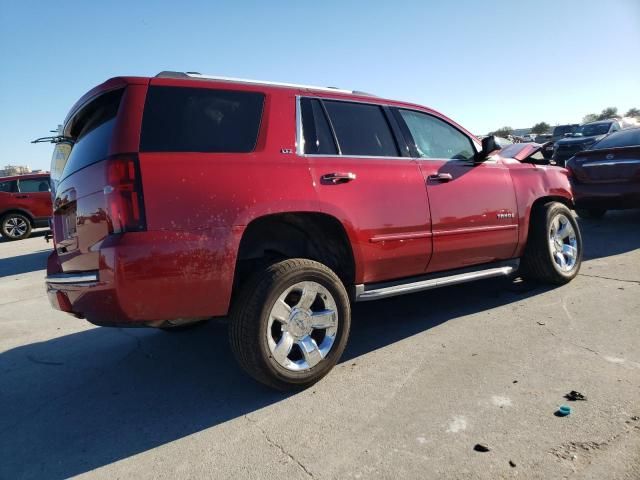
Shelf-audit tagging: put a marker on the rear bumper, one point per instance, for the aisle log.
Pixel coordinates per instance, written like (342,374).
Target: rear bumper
(148,279)
(607,195)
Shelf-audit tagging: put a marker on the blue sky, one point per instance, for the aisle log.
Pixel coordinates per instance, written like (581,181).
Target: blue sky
(486,63)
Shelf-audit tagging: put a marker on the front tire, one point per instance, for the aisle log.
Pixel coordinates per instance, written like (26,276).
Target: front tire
(15,226)
(290,324)
(554,247)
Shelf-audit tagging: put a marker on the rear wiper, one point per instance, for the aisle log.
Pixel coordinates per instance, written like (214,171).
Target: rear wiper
(55,139)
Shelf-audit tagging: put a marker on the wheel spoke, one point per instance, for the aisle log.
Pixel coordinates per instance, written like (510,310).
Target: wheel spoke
(569,251)
(309,294)
(281,311)
(555,226)
(561,260)
(283,348)
(566,231)
(323,319)
(310,351)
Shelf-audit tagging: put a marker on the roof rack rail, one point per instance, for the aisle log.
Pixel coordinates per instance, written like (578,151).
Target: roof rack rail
(200,76)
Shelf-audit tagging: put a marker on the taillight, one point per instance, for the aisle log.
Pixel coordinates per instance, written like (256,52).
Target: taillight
(123,192)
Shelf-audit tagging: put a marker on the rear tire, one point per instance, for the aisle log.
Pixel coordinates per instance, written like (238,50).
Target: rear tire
(15,226)
(554,247)
(591,212)
(290,324)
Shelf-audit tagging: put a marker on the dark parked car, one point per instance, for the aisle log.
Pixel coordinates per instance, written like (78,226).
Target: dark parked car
(186,197)
(582,139)
(559,132)
(25,203)
(607,177)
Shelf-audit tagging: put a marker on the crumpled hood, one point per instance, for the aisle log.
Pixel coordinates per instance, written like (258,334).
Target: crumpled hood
(521,151)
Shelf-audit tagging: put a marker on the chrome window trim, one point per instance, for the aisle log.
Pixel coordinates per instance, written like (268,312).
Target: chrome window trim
(300,134)
(373,157)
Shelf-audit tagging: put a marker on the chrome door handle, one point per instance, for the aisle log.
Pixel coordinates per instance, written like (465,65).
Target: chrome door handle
(440,177)
(338,177)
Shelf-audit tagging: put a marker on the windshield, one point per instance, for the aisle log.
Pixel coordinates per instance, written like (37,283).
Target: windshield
(560,131)
(593,129)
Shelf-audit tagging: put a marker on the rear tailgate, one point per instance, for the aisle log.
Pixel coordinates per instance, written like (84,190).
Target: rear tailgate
(615,165)
(87,208)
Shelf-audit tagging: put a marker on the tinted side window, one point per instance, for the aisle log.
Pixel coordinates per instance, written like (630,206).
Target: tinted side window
(318,138)
(361,129)
(8,186)
(34,185)
(178,119)
(435,138)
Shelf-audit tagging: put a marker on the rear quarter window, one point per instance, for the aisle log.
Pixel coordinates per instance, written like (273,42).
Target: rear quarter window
(8,186)
(33,185)
(179,119)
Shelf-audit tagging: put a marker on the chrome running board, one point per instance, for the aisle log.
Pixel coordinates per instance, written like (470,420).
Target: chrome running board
(72,278)
(376,291)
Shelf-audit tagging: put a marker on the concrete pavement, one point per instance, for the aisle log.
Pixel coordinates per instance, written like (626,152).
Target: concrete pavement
(425,377)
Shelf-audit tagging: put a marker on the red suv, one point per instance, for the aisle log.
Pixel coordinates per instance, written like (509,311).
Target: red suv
(25,203)
(186,197)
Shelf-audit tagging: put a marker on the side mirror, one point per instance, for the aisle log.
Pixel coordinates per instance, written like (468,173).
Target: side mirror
(489,145)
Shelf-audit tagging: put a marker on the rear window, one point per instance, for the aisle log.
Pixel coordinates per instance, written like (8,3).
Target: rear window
(624,138)
(8,186)
(178,119)
(91,129)
(361,129)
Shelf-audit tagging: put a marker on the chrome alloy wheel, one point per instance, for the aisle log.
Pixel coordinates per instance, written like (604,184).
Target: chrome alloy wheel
(563,243)
(302,327)
(15,227)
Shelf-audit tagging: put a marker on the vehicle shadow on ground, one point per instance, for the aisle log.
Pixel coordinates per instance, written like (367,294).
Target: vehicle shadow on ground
(35,233)
(615,233)
(81,401)
(28,262)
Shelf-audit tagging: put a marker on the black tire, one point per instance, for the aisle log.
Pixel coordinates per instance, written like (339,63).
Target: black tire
(248,329)
(15,226)
(538,262)
(591,212)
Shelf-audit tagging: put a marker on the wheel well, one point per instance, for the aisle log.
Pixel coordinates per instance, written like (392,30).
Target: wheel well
(542,200)
(315,236)
(21,212)
(538,203)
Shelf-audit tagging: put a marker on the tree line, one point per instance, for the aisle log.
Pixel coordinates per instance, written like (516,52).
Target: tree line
(544,127)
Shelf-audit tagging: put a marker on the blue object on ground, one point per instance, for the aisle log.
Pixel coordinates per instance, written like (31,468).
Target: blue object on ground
(564,410)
